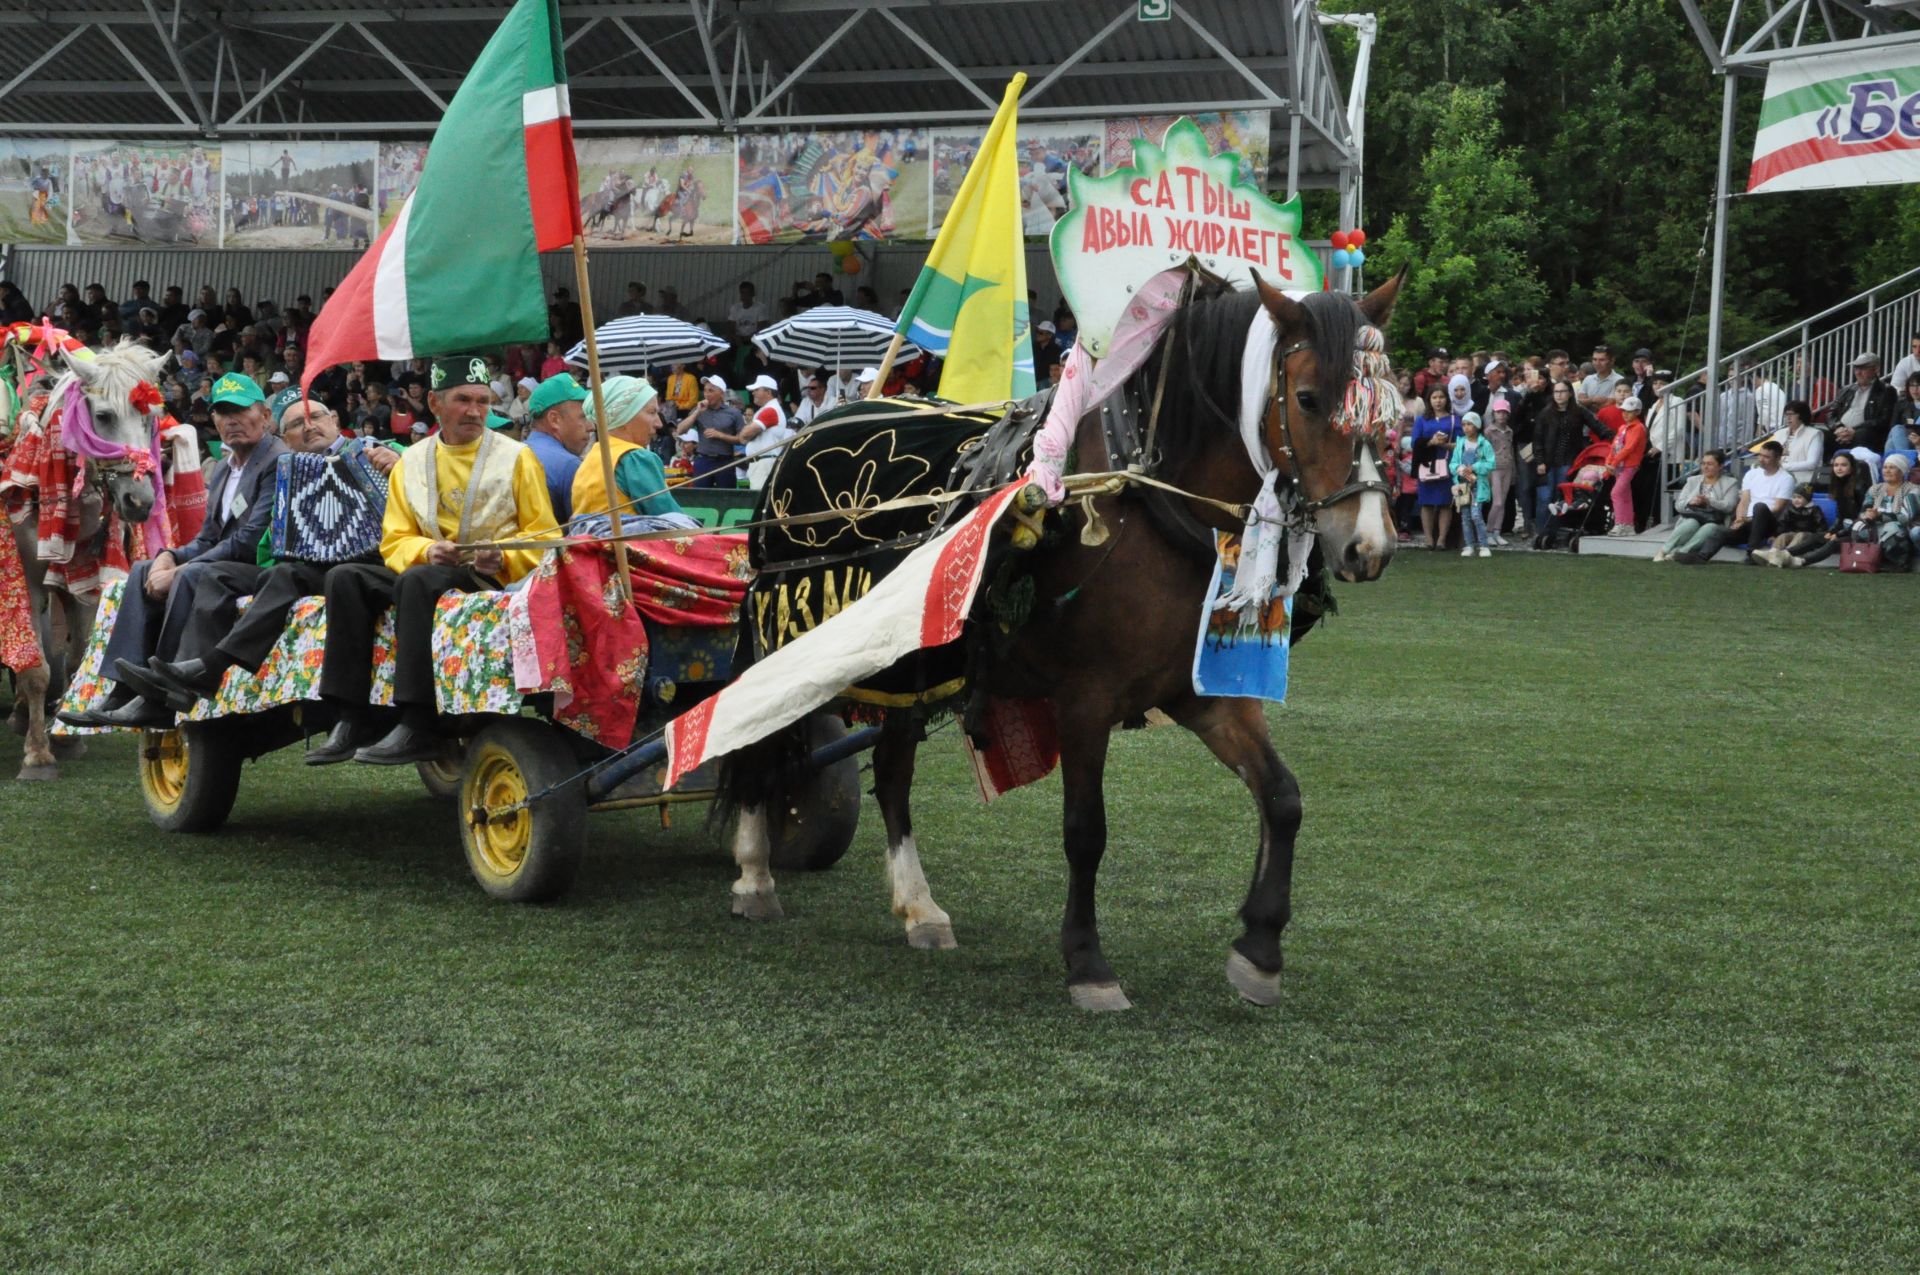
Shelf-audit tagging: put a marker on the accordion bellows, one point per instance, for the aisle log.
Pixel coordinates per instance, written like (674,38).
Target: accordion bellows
(327,507)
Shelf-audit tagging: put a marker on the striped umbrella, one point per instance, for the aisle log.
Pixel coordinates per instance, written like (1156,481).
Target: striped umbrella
(641,342)
(831,336)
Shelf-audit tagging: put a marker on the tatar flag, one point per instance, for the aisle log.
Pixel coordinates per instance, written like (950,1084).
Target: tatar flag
(969,305)
(459,268)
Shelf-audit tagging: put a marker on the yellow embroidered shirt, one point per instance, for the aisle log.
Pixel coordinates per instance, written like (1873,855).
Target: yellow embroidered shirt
(404,542)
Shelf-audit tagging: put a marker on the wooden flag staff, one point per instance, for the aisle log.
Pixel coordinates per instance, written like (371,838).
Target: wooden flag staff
(601,444)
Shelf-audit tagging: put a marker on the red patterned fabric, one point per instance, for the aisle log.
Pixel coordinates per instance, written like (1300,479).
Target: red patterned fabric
(40,469)
(187,488)
(19,649)
(699,581)
(1025,745)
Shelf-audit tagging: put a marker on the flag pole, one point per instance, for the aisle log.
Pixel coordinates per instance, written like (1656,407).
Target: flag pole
(601,445)
(886,365)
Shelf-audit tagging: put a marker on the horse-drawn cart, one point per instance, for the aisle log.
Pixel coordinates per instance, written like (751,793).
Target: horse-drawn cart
(554,693)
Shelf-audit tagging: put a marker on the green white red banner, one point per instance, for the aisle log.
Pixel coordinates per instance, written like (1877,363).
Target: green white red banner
(1839,120)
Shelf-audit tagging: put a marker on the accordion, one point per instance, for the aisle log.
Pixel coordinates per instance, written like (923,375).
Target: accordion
(327,507)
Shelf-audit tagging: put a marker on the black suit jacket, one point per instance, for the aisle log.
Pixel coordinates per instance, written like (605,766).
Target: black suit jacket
(224,539)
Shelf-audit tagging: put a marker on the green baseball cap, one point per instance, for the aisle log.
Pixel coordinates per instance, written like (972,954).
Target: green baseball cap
(236,390)
(497,421)
(280,402)
(555,390)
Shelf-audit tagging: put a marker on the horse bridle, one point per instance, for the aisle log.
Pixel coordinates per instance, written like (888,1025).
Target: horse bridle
(1300,516)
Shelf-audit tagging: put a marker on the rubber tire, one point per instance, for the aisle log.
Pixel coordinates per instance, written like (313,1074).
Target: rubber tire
(441,778)
(818,824)
(214,756)
(556,828)
(1573,544)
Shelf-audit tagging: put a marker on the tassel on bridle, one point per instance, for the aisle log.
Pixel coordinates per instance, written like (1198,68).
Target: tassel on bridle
(1373,401)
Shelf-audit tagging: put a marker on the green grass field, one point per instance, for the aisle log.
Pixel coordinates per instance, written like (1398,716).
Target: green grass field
(1603,960)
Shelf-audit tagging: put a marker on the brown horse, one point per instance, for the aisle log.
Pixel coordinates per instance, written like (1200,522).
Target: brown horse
(1112,628)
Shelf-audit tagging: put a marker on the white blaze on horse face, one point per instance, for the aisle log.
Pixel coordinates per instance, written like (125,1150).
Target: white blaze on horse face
(1375,523)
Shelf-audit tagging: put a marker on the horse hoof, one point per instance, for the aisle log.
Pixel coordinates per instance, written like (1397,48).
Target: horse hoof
(758,907)
(931,936)
(1099,998)
(37,774)
(69,748)
(1254,984)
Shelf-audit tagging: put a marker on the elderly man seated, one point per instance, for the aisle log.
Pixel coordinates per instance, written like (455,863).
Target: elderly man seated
(465,484)
(159,596)
(558,435)
(214,642)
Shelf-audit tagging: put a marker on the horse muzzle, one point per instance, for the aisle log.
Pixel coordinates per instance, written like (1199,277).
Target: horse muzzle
(1362,558)
(132,496)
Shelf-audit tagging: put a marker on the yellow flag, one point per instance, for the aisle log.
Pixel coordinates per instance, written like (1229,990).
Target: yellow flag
(969,305)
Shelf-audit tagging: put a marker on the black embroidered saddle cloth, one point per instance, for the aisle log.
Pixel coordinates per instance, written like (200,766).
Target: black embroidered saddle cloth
(861,457)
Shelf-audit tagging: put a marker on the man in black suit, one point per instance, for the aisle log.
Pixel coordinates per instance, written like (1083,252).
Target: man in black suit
(159,593)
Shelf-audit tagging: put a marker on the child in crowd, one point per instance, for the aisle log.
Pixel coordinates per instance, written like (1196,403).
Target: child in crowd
(1802,527)
(1472,461)
(1499,436)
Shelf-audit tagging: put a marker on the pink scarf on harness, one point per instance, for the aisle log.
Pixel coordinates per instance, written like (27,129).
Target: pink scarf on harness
(78,436)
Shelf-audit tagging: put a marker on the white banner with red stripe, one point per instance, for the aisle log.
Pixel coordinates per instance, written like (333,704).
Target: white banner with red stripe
(922,603)
(1839,120)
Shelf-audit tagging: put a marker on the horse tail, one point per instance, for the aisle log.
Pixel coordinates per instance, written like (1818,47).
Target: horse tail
(760,775)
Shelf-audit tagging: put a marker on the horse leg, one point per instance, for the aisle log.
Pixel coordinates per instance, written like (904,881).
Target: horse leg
(1083,764)
(927,926)
(39,761)
(753,896)
(1235,730)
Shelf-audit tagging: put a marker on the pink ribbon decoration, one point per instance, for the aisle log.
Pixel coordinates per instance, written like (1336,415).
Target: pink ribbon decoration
(1086,383)
(78,436)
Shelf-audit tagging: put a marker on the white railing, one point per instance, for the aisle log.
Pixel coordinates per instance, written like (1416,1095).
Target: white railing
(1811,360)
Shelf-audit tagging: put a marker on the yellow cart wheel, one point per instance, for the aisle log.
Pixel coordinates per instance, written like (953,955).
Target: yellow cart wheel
(519,851)
(190,775)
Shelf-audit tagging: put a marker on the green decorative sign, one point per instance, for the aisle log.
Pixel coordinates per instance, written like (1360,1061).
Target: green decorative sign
(1156,10)
(1170,205)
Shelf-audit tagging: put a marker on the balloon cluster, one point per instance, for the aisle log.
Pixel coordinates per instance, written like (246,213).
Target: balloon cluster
(1347,245)
(845,257)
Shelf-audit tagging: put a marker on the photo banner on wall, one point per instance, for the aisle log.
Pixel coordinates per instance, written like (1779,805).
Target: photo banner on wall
(869,184)
(397,175)
(297,194)
(1048,150)
(128,194)
(1244,133)
(653,191)
(1839,120)
(33,190)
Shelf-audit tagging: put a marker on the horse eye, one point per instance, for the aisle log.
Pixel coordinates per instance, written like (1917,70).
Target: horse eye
(1308,400)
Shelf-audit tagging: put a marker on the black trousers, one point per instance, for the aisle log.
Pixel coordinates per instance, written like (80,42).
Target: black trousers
(1762,525)
(145,628)
(250,640)
(357,593)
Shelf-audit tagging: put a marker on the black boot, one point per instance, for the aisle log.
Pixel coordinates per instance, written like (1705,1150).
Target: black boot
(348,737)
(192,679)
(139,713)
(413,740)
(118,698)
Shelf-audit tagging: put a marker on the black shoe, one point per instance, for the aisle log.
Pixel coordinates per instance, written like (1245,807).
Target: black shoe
(347,738)
(403,746)
(118,697)
(1689,559)
(136,675)
(139,713)
(190,678)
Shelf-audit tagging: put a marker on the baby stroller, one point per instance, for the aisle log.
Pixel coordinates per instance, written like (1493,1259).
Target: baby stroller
(1583,505)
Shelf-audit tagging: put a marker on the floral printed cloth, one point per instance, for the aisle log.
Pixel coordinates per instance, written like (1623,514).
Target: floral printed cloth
(19,648)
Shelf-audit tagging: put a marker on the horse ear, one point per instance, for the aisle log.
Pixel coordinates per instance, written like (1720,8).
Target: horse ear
(1378,304)
(1285,310)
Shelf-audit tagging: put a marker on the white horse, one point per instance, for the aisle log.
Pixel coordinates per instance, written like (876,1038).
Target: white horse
(120,470)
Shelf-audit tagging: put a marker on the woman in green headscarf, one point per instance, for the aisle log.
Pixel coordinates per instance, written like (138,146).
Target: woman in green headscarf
(638,476)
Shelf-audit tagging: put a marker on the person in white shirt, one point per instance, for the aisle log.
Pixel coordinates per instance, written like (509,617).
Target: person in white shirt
(1804,444)
(813,401)
(747,315)
(842,387)
(1764,492)
(1906,367)
(1769,403)
(767,433)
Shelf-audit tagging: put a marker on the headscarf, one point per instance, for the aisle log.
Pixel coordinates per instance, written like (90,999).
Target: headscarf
(1460,394)
(624,397)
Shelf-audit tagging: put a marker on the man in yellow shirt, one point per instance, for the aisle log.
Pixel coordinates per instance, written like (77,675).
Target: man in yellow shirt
(465,484)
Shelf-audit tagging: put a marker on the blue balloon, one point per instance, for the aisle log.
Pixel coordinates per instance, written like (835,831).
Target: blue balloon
(1359,258)
(1341,259)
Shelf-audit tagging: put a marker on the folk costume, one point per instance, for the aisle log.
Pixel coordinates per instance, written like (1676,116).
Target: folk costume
(639,477)
(490,489)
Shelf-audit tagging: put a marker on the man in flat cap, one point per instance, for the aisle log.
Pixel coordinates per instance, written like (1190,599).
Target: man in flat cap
(159,594)
(465,485)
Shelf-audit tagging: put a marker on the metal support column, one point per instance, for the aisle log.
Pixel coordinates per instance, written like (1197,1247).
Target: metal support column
(1710,416)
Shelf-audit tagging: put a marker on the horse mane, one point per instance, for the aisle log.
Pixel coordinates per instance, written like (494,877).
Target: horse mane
(113,373)
(1209,339)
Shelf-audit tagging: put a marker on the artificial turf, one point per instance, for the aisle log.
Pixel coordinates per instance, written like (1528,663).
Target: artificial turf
(1604,958)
